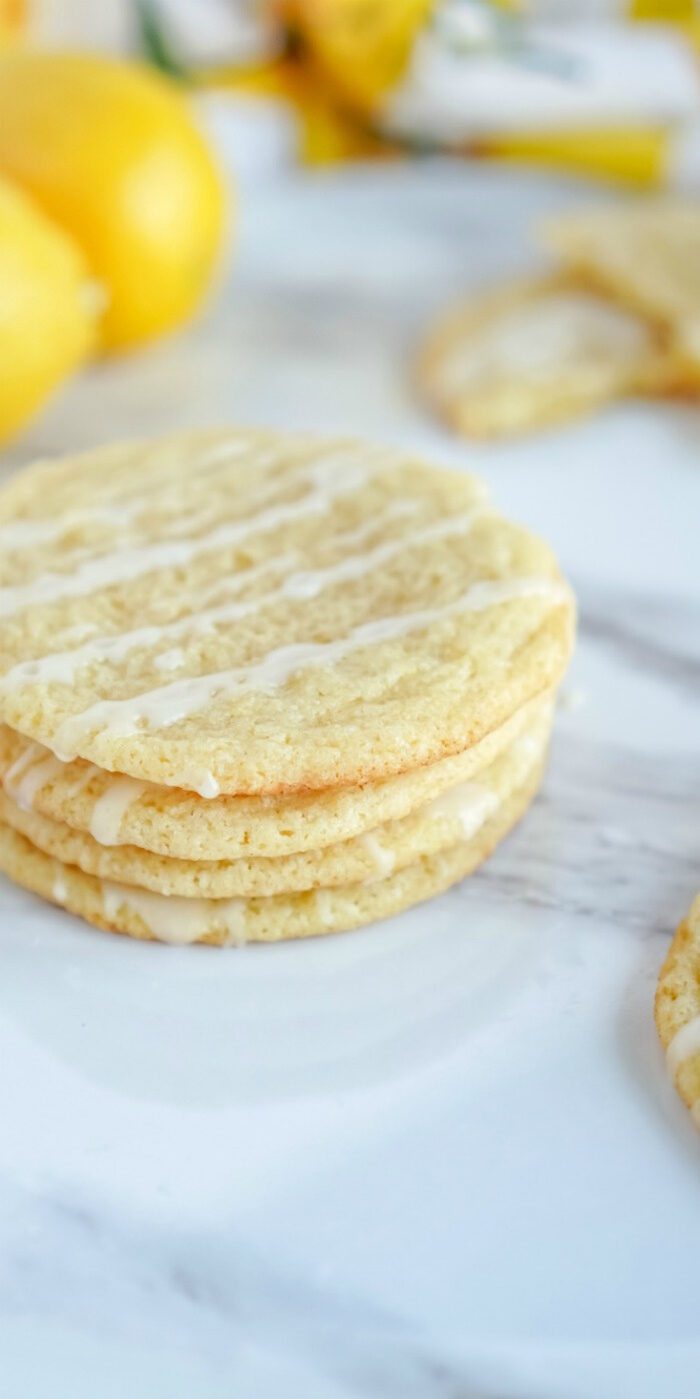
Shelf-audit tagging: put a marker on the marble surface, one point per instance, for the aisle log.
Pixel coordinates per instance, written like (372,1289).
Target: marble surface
(440,1157)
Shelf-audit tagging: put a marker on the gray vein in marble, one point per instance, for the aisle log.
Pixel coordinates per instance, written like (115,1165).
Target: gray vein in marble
(611,836)
(659,637)
(86,1264)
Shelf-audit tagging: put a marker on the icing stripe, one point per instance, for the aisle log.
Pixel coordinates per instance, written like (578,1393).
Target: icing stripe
(62,666)
(25,759)
(311,583)
(29,773)
(107,813)
(37,777)
(468,802)
(167,705)
(330,479)
(174,919)
(16,535)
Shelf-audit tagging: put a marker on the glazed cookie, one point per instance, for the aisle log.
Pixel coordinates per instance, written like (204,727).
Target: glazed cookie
(182,825)
(535,353)
(677,1010)
(259,614)
(647,255)
(121,908)
(457,814)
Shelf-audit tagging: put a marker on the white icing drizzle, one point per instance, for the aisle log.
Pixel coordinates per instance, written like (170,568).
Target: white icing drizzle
(167,705)
(25,759)
(684,1045)
(16,535)
(330,478)
(109,809)
(205,784)
(83,779)
(466,802)
(382,859)
(310,584)
(177,920)
(29,773)
(170,660)
(533,341)
(36,779)
(62,666)
(198,780)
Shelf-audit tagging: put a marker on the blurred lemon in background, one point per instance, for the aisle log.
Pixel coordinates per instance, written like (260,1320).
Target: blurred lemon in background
(361,46)
(13,16)
(110,150)
(47,311)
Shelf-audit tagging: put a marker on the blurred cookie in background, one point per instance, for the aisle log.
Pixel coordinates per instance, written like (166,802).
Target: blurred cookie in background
(538,352)
(620,317)
(645,255)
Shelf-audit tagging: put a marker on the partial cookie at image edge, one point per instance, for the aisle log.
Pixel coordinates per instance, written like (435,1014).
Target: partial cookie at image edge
(677,1010)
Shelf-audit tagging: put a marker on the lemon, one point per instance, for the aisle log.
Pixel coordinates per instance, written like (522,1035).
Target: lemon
(47,322)
(362,47)
(13,18)
(111,151)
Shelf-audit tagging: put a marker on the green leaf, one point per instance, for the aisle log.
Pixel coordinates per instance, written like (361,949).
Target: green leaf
(154,43)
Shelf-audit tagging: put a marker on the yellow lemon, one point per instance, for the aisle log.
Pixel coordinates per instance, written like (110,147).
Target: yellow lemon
(47,321)
(361,46)
(111,151)
(13,17)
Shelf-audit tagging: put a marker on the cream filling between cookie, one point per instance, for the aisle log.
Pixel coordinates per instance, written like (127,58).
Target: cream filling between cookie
(109,809)
(173,919)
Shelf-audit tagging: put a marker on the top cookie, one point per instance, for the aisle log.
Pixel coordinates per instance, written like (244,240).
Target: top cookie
(250,613)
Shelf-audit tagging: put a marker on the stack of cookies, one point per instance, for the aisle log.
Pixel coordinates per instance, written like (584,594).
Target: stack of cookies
(257,686)
(619,315)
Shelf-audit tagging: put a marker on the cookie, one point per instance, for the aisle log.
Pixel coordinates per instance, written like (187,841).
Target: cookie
(182,825)
(256,614)
(535,353)
(647,255)
(122,908)
(458,813)
(677,1010)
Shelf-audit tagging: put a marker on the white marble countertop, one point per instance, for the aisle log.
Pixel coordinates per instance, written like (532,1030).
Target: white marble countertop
(437,1158)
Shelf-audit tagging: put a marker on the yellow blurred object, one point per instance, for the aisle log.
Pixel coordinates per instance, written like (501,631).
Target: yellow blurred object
(111,151)
(635,156)
(13,18)
(361,47)
(47,308)
(666,11)
(327,133)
